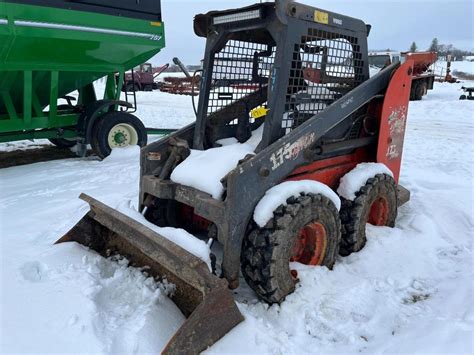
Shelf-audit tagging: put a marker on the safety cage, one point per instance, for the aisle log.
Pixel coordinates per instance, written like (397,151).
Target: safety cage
(316,64)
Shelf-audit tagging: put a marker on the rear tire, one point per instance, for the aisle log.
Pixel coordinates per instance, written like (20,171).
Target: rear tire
(376,203)
(414,86)
(117,130)
(267,251)
(420,90)
(131,87)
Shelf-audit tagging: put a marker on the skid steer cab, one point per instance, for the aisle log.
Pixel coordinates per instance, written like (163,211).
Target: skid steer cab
(287,87)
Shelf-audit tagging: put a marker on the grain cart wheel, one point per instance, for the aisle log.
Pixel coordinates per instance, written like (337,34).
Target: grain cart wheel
(117,130)
(375,203)
(307,231)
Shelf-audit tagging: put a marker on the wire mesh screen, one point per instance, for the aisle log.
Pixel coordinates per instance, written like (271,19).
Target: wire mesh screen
(325,66)
(240,78)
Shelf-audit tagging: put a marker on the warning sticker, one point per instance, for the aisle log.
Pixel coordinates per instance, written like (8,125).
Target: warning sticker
(259,112)
(321,17)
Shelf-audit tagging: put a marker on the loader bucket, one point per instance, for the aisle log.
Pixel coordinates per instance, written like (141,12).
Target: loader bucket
(202,297)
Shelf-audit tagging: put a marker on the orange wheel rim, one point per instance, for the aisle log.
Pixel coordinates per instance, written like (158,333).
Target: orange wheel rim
(310,246)
(378,213)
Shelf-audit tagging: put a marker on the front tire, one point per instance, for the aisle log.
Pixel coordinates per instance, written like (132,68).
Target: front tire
(306,230)
(117,130)
(376,203)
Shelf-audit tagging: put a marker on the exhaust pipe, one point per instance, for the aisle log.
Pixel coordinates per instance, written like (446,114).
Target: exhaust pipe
(202,297)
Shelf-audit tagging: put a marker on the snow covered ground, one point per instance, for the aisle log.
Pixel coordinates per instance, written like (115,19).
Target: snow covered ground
(408,291)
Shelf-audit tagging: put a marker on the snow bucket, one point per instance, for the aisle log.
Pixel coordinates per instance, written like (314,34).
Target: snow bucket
(202,297)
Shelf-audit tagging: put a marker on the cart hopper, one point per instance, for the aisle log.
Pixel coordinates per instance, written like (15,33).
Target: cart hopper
(65,45)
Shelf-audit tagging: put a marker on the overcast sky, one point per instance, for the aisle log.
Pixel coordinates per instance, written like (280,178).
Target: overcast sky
(395,24)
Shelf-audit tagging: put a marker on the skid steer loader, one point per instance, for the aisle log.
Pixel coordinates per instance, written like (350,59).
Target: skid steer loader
(303,79)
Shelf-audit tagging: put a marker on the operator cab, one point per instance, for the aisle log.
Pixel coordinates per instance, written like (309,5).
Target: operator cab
(247,80)
(146,68)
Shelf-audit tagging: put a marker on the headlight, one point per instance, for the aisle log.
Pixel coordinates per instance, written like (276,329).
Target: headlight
(241,16)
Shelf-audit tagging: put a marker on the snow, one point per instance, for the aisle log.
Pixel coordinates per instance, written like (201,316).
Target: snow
(204,169)
(278,195)
(408,291)
(178,236)
(66,298)
(357,177)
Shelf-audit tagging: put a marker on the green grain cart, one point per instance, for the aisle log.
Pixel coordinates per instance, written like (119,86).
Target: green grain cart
(52,48)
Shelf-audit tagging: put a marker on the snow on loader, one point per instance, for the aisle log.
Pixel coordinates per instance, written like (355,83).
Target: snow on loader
(307,90)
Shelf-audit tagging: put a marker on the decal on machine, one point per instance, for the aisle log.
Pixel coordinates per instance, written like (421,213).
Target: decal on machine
(396,123)
(291,151)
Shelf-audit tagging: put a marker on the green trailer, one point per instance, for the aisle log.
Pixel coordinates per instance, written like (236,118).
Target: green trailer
(52,48)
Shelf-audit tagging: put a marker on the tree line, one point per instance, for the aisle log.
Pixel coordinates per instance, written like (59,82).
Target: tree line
(443,49)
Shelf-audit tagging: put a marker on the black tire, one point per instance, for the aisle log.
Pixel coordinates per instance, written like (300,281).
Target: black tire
(376,203)
(132,87)
(463,97)
(63,142)
(266,252)
(109,121)
(413,89)
(420,90)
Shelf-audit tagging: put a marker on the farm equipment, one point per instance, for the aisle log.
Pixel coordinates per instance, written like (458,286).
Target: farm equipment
(447,78)
(143,78)
(51,49)
(189,85)
(423,77)
(467,93)
(321,116)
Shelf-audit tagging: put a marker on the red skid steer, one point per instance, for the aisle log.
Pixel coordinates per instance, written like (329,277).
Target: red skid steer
(300,74)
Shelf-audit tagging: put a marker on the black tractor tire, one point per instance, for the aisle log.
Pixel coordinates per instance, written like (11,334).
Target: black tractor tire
(267,252)
(414,86)
(376,203)
(63,142)
(133,130)
(463,97)
(420,90)
(131,87)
